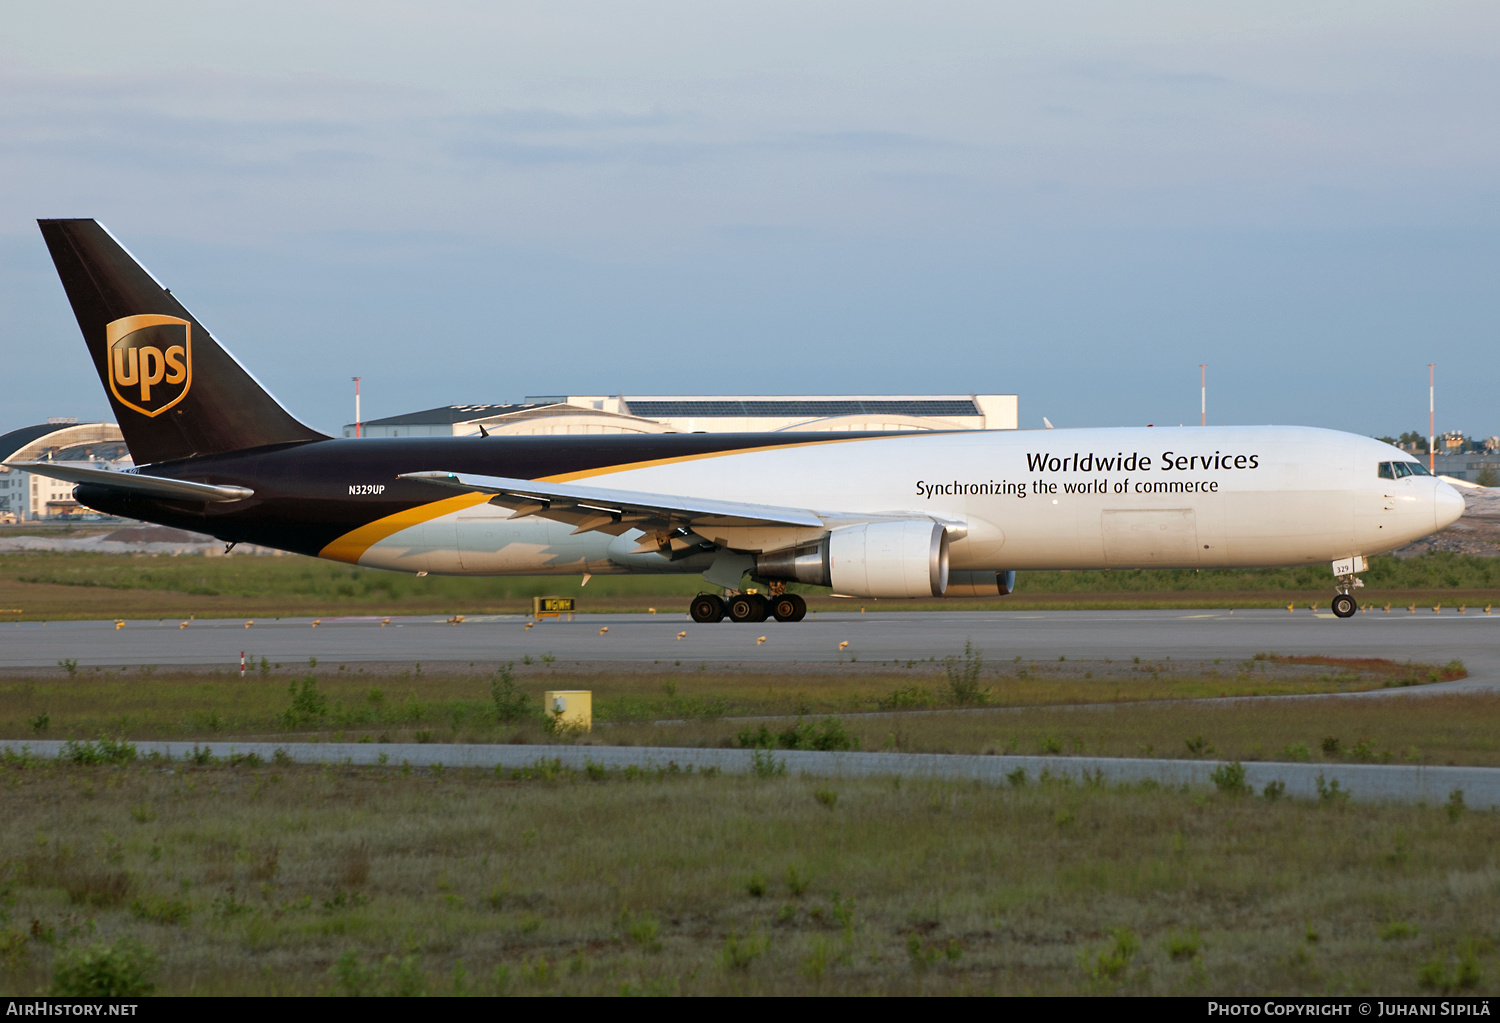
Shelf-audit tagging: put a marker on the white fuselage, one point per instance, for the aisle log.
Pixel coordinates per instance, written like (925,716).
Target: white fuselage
(1215,497)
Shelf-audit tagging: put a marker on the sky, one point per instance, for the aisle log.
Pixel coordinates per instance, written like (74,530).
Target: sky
(1076,202)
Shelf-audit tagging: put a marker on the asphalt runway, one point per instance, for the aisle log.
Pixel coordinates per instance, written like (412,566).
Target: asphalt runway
(1425,637)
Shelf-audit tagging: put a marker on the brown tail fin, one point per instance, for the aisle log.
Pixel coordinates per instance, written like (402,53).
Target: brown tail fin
(176,392)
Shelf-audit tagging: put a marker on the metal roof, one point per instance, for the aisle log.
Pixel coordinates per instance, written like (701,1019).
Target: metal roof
(447,415)
(11,443)
(808,407)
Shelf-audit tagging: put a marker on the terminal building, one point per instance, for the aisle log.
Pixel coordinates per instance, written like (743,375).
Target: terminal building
(27,497)
(1467,459)
(599,414)
(1459,456)
(1469,466)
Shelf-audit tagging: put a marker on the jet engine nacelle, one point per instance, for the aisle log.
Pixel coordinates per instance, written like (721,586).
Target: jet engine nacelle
(980,584)
(877,559)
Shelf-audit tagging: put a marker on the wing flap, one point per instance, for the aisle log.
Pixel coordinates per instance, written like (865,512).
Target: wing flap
(617,511)
(673,525)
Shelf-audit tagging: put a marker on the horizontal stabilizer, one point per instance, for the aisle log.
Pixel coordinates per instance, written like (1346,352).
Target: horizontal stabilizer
(150,486)
(616,511)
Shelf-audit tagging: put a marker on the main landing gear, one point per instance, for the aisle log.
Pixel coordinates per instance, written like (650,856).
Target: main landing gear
(748,607)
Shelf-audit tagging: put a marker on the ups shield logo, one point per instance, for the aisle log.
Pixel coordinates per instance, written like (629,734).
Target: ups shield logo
(150,361)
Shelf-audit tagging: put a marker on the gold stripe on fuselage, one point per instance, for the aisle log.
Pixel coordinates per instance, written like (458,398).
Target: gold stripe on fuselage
(352,545)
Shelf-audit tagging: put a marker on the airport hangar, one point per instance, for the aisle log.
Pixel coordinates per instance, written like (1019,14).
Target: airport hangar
(28,497)
(791,413)
(615,414)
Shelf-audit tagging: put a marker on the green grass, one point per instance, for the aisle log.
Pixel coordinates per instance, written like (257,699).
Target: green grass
(294,575)
(219,880)
(1433,571)
(53,585)
(1074,707)
(1458,729)
(129,876)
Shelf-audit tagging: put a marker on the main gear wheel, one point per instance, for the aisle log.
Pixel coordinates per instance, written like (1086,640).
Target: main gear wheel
(707,608)
(789,607)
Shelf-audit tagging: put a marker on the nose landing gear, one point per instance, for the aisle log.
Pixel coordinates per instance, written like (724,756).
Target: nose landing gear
(1344,605)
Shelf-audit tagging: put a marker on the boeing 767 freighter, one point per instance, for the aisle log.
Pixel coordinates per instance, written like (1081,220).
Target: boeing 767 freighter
(867,514)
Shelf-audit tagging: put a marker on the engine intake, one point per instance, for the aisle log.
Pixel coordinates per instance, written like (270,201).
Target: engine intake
(877,559)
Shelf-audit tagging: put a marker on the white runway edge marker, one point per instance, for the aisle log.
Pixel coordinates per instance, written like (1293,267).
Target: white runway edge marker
(1365,783)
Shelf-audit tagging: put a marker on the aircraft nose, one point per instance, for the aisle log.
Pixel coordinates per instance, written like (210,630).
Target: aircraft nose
(1448,505)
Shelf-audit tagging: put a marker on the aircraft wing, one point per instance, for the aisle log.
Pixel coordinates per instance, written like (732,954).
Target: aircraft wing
(674,525)
(150,486)
(617,511)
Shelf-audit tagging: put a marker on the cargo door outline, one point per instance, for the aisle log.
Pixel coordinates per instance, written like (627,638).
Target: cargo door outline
(1150,538)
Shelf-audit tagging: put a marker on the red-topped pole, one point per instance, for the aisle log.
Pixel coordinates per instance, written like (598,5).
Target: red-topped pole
(356,408)
(1203,383)
(1431,420)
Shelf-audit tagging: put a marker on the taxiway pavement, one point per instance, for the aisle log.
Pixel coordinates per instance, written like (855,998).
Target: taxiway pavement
(1425,637)
(1402,783)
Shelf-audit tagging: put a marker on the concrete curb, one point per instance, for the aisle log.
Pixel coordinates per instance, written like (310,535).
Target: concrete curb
(1372,783)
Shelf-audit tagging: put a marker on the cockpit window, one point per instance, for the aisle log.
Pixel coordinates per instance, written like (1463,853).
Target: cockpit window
(1400,470)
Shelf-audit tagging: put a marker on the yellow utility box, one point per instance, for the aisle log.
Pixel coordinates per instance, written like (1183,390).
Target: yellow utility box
(552,607)
(572,708)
